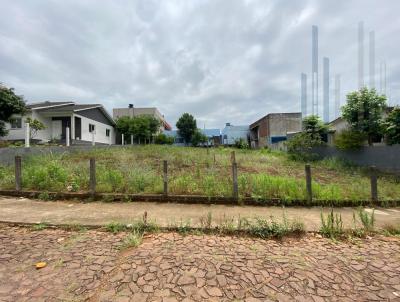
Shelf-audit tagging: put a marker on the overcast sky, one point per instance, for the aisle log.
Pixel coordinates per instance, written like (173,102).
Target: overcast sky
(221,60)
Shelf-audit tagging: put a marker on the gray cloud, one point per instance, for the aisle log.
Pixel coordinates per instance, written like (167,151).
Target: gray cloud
(223,60)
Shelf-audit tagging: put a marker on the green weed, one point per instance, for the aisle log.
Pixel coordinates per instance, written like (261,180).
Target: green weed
(331,225)
(133,239)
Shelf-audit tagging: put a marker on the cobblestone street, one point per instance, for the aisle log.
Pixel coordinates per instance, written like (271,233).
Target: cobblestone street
(89,265)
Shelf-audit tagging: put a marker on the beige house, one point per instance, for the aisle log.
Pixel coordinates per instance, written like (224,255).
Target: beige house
(132,111)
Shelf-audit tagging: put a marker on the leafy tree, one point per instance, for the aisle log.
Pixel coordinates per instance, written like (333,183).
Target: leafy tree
(142,127)
(363,112)
(392,127)
(10,104)
(198,138)
(349,139)
(315,127)
(187,126)
(34,126)
(163,139)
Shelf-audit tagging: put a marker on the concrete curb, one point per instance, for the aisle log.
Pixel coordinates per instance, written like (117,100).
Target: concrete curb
(196,199)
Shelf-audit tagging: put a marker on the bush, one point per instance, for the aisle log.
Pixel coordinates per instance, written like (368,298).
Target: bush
(300,146)
(163,139)
(46,177)
(198,138)
(350,140)
(241,143)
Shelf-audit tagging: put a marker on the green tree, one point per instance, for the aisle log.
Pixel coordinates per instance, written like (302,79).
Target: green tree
(186,127)
(10,104)
(34,126)
(163,139)
(141,127)
(363,111)
(316,128)
(392,127)
(198,138)
(349,139)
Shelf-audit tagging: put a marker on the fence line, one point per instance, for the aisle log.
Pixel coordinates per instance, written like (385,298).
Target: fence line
(235,187)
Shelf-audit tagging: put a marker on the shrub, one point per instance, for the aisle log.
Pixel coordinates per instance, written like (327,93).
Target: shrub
(241,143)
(162,139)
(198,138)
(300,146)
(47,176)
(349,140)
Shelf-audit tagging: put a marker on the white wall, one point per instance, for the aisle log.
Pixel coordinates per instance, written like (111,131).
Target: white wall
(16,134)
(100,128)
(45,135)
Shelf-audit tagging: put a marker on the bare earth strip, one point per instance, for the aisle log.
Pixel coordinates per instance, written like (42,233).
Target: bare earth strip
(99,213)
(170,267)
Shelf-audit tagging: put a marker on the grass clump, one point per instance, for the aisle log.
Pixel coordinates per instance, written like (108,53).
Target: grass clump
(115,227)
(133,239)
(40,226)
(391,230)
(271,228)
(331,225)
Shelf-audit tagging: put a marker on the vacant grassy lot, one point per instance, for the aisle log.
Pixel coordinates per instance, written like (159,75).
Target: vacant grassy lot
(138,169)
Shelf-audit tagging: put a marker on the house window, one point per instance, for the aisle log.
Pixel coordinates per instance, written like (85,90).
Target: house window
(91,128)
(16,123)
(108,132)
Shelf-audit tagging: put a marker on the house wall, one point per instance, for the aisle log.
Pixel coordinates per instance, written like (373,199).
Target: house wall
(281,124)
(100,128)
(19,134)
(274,126)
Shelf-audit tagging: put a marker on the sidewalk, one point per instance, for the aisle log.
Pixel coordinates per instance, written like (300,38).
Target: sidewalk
(97,213)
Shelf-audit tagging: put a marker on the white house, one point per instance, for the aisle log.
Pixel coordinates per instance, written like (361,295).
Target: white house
(85,123)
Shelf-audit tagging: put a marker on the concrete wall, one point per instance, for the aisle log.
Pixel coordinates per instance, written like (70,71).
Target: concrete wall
(281,124)
(385,158)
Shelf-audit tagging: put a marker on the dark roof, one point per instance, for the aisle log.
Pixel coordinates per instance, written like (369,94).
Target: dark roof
(70,107)
(56,107)
(46,104)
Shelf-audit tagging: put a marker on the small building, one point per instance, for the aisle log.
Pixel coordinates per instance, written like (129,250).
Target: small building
(84,121)
(230,134)
(274,128)
(132,111)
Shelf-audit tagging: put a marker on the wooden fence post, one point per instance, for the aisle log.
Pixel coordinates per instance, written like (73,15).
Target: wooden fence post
(374,185)
(165,178)
(233,157)
(92,175)
(18,174)
(235,181)
(308,183)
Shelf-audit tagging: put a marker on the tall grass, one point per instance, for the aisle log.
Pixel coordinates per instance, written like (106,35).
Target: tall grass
(262,174)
